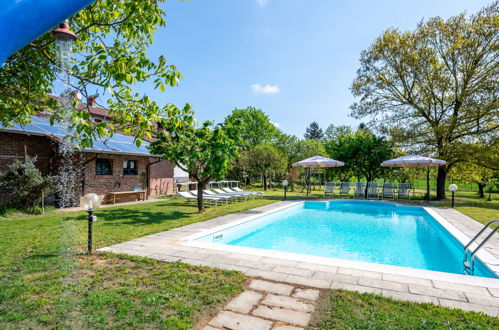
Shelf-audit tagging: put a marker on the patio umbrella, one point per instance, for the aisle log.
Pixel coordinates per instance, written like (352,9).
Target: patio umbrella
(317,161)
(416,161)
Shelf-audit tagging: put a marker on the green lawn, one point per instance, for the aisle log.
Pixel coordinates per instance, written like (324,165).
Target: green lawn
(338,309)
(47,281)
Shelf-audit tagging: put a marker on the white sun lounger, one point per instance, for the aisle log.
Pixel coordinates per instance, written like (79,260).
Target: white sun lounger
(404,190)
(360,189)
(372,190)
(215,194)
(388,191)
(256,193)
(190,197)
(344,189)
(232,193)
(329,188)
(243,193)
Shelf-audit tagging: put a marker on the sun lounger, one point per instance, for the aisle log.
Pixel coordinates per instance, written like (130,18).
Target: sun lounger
(256,193)
(404,190)
(215,194)
(344,189)
(360,189)
(388,191)
(243,193)
(372,189)
(329,188)
(190,197)
(232,193)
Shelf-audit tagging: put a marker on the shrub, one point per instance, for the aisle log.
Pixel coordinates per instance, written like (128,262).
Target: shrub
(26,185)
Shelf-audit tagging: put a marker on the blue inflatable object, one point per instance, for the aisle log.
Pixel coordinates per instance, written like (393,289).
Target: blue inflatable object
(22,21)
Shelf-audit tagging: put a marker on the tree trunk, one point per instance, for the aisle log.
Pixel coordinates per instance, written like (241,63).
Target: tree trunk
(200,197)
(441,176)
(264,181)
(481,187)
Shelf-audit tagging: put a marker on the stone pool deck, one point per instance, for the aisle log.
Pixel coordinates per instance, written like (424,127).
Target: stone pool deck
(449,290)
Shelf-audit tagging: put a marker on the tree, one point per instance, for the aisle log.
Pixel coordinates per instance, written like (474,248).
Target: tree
(205,152)
(471,172)
(433,89)
(254,126)
(338,146)
(314,132)
(110,55)
(334,132)
(25,184)
(264,160)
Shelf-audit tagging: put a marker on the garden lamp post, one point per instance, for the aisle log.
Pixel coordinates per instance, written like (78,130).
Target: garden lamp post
(91,202)
(453,188)
(285,185)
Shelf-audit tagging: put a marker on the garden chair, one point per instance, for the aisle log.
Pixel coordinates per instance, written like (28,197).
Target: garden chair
(360,189)
(387,191)
(344,189)
(235,194)
(372,189)
(232,198)
(404,191)
(329,188)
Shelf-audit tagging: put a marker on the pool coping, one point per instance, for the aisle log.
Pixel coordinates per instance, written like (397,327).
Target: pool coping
(451,290)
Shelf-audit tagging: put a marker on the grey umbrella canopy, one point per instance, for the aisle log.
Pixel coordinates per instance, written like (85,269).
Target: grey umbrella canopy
(416,161)
(317,161)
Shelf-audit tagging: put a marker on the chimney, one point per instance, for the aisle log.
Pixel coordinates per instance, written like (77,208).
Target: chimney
(74,95)
(91,100)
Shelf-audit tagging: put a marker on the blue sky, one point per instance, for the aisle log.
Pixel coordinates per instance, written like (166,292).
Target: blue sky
(294,59)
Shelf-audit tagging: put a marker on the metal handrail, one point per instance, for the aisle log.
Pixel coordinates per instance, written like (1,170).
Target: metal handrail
(471,266)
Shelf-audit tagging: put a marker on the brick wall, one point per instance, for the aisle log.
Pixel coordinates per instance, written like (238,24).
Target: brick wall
(160,183)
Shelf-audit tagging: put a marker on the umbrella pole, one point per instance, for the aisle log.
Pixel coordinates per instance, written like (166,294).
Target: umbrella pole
(428,184)
(308,180)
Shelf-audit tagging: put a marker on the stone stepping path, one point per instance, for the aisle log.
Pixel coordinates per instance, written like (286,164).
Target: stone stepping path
(267,305)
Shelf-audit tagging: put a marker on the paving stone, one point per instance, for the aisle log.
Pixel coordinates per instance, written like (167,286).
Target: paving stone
(321,275)
(268,275)
(494,292)
(346,279)
(244,302)
(165,258)
(359,273)
(275,261)
(309,294)
(317,267)
(230,320)
(489,310)
(407,280)
(355,287)
(254,264)
(208,327)
(439,293)
(278,288)
(481,300)
(292,271)
(461,287)
(288,303)
(311,282)
(281,314)
(387,285)
(287,327)
(409,297)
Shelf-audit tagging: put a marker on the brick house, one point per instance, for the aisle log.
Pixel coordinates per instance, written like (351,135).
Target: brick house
(113,165)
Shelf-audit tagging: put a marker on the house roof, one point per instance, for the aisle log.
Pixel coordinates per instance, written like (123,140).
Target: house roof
(117,144)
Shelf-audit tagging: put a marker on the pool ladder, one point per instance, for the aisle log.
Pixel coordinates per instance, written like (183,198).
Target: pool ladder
(469,267)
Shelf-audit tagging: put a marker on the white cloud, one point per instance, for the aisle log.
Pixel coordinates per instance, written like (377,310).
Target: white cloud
(267,89)
(262,3)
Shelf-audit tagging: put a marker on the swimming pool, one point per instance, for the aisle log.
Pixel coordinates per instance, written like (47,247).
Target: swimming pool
(374,232)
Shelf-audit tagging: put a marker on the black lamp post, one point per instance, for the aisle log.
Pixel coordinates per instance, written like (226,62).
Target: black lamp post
(285,185)
(90,203)
(453,189)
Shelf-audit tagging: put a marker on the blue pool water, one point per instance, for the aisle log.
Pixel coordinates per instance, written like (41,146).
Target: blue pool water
(377,232)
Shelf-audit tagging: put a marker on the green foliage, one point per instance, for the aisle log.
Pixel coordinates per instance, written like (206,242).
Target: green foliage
(205,152)
(263,160)
(362,152)
(110,55)
(308,148)
(435,88)
(26,185)
(314,132)
(253,125)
